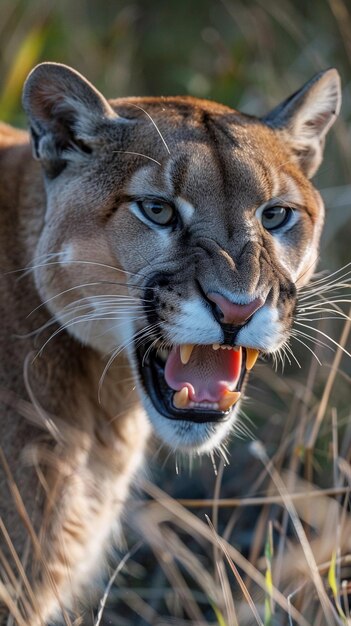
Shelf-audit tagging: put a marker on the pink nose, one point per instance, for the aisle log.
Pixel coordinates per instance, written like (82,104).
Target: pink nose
(232,313)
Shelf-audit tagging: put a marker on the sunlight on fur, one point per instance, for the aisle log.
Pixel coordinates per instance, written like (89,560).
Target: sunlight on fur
(164,246)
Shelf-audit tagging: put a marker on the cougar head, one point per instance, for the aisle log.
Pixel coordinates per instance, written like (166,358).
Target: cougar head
(183,231)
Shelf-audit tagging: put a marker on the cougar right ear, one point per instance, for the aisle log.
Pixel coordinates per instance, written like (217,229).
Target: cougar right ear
(65,112)
(307,116)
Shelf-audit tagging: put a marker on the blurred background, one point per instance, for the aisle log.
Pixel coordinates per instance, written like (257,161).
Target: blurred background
(249,55)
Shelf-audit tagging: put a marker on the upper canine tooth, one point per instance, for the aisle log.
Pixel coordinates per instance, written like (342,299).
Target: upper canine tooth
(185,352)
(216,346)
(228,400)
(181,398)
(251,358)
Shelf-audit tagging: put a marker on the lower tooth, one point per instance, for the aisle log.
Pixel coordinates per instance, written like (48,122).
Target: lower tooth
(228,400)
(181,398)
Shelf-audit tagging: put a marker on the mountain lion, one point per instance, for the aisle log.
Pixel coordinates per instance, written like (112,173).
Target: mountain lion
(150,251)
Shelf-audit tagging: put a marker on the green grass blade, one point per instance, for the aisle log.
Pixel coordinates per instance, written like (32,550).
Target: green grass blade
(219,616)
(268,605)
(333,584)
(27,56)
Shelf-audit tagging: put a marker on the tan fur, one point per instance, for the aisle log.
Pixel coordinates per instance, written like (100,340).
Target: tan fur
(85,472)
(71,453)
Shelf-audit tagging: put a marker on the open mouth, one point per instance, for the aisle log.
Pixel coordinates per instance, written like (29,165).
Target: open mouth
(197,383)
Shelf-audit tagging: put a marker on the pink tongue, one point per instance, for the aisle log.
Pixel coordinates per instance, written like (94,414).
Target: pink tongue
(208,374)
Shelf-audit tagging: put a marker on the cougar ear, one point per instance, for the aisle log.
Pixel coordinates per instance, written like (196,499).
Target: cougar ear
(307,116)
(64,112)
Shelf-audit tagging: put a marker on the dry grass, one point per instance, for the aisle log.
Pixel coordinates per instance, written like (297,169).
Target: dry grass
(277,548)
(294,487)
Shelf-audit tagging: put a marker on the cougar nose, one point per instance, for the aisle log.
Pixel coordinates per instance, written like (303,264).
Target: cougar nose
(227,312)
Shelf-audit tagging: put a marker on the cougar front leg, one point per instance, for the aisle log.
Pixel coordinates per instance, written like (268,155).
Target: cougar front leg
(85,489)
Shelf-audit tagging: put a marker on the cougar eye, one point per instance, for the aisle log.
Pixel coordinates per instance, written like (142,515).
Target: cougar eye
(275,217)
(157,211)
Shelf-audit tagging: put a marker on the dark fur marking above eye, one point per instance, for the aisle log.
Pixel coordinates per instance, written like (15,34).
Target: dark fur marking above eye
(214,127)
(216,134)
(178,173)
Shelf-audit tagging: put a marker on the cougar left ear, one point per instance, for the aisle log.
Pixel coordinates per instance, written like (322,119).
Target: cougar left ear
(307,116)
(65,114)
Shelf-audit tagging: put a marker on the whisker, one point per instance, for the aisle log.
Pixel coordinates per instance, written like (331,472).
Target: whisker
(325,289)
(138,154)
(71,262)
(103,306)
(323,300)
(320,307)
(278,356)
(284,352)
(324,317)
(290,350)
(338,283)
(136,338)
(307,270)
(283,357)
(153,122)
(71,308)
(83,285)
(321,280)
(335,313)
(308,348)
(79,320)
(314,340)
(222,452)
(154,342)
(27,270)
(317,330)
(337,275)
(240,427)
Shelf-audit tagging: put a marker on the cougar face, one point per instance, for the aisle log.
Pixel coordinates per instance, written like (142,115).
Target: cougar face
(180,231)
